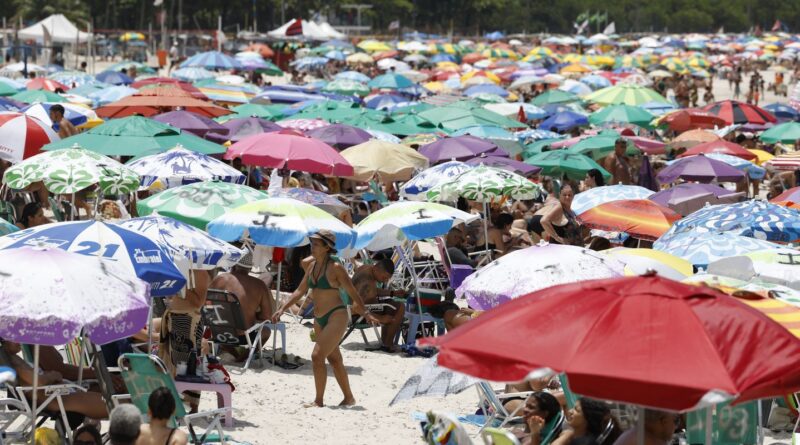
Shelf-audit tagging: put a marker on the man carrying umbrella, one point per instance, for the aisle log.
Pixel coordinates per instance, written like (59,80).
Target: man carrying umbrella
(366,280)
(619,165)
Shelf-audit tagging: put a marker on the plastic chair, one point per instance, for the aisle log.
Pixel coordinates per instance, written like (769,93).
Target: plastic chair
(416,320)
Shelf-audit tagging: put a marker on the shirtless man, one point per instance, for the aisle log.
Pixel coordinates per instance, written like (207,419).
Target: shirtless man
(619,165)
(366,281)
(62,125)
(254,297)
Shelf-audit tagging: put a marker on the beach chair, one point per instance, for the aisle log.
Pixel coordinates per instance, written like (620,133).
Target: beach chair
(144,373)
(730,425)
(490,402)
(222,314)
(496,436)
(422,323)
(8,211)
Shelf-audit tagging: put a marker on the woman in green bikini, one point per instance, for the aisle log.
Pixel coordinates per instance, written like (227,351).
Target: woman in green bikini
(325,277)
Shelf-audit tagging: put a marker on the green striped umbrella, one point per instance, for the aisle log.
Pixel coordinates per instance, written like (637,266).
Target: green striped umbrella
(199,203)
(558,163)
(622,114)
(627,94)
(70,170)
(484,184)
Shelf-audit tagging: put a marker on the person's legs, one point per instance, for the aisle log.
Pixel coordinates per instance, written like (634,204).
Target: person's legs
(390,329)
(454,318)
(90,404)
(337,325)
(327,341)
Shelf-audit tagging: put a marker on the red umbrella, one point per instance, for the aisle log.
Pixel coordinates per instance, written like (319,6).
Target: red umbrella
(22,136)
(734,112)
(168,82)
(473,57)
(643,340)
(152,105)
(691,118)
(41,83)
(640,218)
(290,149)
(720,146)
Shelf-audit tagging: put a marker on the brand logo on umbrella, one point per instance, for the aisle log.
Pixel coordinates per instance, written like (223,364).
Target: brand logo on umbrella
(265,215)
(44,241)
(147,256)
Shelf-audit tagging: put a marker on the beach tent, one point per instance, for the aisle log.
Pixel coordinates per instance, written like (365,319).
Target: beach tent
(61,30)
(307,29)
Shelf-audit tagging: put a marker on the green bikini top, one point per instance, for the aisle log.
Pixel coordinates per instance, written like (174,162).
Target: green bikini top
(322,280)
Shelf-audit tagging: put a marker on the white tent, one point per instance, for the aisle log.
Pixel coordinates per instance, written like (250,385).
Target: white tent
(60,28)
(330,31)
(311,30)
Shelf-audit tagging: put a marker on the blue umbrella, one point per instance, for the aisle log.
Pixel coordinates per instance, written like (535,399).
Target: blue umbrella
(89,88)
(783,111)
(286,97)
(112,94)
(7,104)
(552,109)
(596,81)
(96,238)
(212,60)
(442,57)
(335,55)
(752,170)
(658,108)
(72,78)
(114,78)
(392,81)
(536,135)
(352,75)
(564,121)
(486,89)
(419,185)
(308,63)
(75,114)
(702,248)
(756,219)
(193,74)
(388,102)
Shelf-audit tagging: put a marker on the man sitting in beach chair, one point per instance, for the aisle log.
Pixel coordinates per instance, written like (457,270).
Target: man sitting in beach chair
(366,279)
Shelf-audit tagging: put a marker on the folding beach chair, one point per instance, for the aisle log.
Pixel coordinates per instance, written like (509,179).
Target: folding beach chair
(496,436)
(490,402)
(222,314)
(730,425)
(143,374)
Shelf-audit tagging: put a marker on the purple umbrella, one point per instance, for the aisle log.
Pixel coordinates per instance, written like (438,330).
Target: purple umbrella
(241,128)
(191,122)
(456,148)
(340,136)
(686,198)
(511,165)
(647,177)
(700,168)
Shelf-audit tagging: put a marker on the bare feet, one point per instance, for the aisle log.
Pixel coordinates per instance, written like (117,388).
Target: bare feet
(314,404)
(348,401)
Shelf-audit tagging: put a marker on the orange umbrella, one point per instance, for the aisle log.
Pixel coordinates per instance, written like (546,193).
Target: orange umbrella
(790,204)
(151,105)
(692,138)
(265,51)
(385,55)
(640,218)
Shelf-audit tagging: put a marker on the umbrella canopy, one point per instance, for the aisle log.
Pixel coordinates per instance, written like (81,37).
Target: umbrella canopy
(279,222)
(783,111)
(598,147)
(70,170)
(640,218)
(557,163)
(242,127)
(724,342)
(22,136)
(150,105)
(65,294)
(41,83)
(340,136)
(625,93)
(33,96)
(386,160)
(114,78)
(179,166)
(534,268)
(390,81)
(407,221)
(786,162)
(787,133)
(756,219)
(678,196)
(564,121)
(720,146)
(791,195)
(105,96)
(316,198)
(75,114)
(689,119)
(292,150)
(554,96)
(346,87)
(135,136)
(622,114)
(511,165)
(432,380)
(692,138)
(193,74)
(191,122)
(699,168)
(752,170)
(131,251)
(199,203)
(593,197)
(417,186)
(455,116)
(734,112)
(212,60)
(484,184)
(640,261)
(702,248)
(777,266)
(456,148)
(185,244)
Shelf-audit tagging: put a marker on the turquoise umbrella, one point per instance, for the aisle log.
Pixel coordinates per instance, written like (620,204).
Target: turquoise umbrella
(390,81)
(622,113)
(561,162)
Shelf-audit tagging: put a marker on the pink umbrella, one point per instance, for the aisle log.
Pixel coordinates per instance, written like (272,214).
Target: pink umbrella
(290,149)
(303,124)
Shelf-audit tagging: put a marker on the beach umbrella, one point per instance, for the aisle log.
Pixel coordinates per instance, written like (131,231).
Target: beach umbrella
(127,65)
(242,127)
(640,218)
(641,261)
(10,104)
(193,74)
(292,150)
(783,111)
(423,181)
(734,112)
(488,76)
(791,195)
(628,94)
(279,222)
(43,83)
(347,87)
(198,203)
(331,110)
(598,147)
(302,125)
(22,136)
(595,196)
(75,114)
(575,87)
(150,105)
(112,94)
(179,166)
(484,184)
(701,169)
(268,112)
(786,133)
(70,170)
(432,380)
(688,119)
(752,170)
(228,93)
(212,60)
(485,132)
(352,75)
(136,253)
(534,268)
(625,114)
(190,122)
(564,121)
(785,162)
(756,219)
(390,81)
(316,198)
(386,160)
(777,266)
(33,96)
(677,197)
(407,221)
(486,89)
(693,137)
(455,116)
(554,96)
(557,163)
(511,110)
(135,136)
(596,81)
(340,136)
(723,361)
(186,245)
(456,148)
(504,163)
(537,134)
(701,247)
(70,78)
(720,147)
(114,78)
(387,102)
(357,59)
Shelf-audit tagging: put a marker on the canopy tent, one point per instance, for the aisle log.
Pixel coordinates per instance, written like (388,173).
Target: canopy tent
(61,30)
(307,29)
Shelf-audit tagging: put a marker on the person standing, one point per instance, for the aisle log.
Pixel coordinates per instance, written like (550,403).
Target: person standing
(61,125)
(619,165)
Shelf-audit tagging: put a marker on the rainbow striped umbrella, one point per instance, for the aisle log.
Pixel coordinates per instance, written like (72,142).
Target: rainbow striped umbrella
(640,218)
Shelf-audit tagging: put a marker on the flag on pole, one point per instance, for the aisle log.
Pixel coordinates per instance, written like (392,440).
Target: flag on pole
(610,29)
(394,25)
(582,26)
(776,26)
(296,28)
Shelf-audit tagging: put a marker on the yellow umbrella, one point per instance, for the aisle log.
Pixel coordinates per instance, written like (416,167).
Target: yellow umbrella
(359,58)
(435,87)
(487,74)
(540,50)
(374,46)
(639,261)
(762,156)
(91,123)
(575,68)
(386,160)
(448,66)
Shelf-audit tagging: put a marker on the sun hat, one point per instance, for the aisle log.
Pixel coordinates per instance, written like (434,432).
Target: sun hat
(327,237)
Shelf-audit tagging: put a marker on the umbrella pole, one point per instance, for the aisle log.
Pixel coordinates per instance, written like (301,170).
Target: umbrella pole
(150,326)
(486,228)
(640,426)
(709,424)
(413,273)
(35,383)
(82,338)
(278,299)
